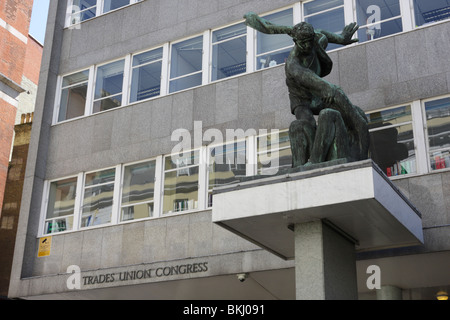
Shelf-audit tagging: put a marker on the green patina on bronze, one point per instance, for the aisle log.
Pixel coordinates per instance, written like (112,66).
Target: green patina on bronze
(341,130)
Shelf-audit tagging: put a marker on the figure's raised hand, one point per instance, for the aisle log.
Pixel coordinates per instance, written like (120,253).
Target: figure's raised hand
(348,32)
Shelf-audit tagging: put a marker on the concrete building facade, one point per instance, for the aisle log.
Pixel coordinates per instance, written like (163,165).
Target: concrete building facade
(128,215)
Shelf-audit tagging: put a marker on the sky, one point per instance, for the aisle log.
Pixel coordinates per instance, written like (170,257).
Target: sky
(39,20)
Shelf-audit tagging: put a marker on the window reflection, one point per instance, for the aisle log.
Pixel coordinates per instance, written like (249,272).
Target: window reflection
(114,4)
(438,129)
(392,141)
(98,198)
(61,204)
(181,182)
(227,163)
(274,154)
(138,191)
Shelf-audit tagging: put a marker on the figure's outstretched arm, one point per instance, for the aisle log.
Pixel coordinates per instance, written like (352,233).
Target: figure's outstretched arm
(345,37)
(264,26)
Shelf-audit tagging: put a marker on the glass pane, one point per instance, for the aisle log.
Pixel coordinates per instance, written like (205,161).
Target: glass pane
(139,211)
(229,58)
(79,5)
(138,183)
(180,161)
(438,124)
(73,102)
(229,32)
(267,42)
(371,11)
(61,199)
(147,57)
(185,83)
(227,163)
(100,177)
(59,225)
(380,30)
(146,82)
(332,21)
(97,205)
(180,190)
(109,79)
(389,117)
(108,103)
(114,4)
(392,149)
(320,5)
(272,59)
(427,11)
(75,78)
(186,57)
(440,160)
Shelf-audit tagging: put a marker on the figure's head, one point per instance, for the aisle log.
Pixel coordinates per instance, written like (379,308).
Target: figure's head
(303,35)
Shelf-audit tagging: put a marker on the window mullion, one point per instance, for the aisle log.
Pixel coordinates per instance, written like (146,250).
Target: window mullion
(206,57)
(419,128)
(158,191)
(251,52)
(407,15)
(116,195)
(126,85)
(349,13)
(90,92)
(78,202)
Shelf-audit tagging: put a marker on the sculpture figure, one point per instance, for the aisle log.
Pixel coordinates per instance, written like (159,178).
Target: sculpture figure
(341,131)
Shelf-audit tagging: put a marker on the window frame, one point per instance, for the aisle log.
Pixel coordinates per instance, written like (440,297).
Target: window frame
(115,197)
(203,71)
(124,91)
(413,122)
(60,88)
(211,45)
(157,190)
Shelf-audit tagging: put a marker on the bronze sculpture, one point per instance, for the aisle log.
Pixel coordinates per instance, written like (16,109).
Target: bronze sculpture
(341,131)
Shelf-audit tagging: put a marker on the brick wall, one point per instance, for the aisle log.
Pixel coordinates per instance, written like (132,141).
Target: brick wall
(7,119)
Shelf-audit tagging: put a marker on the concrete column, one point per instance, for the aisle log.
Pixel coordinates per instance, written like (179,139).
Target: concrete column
(325,264)
(389,293)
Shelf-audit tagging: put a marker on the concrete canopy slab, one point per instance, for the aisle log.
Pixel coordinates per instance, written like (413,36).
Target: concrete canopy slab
(357,199)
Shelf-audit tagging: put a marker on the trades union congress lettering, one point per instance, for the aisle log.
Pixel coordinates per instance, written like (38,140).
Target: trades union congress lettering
(164,271)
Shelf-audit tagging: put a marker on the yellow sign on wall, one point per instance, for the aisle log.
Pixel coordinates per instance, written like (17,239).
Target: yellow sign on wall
(45,245)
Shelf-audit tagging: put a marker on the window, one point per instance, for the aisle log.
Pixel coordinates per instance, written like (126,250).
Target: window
(273,153)
(138,191)
(272,50)
(146,75)
(227,163)
(378,18)
(327,15)
(229,52)
(438,131)
(186,64)
(181,182)
(109,5)
(392,141)
(426,11)
(108,86)
(98,198)
(61,206)
(73,95)
(82,10)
